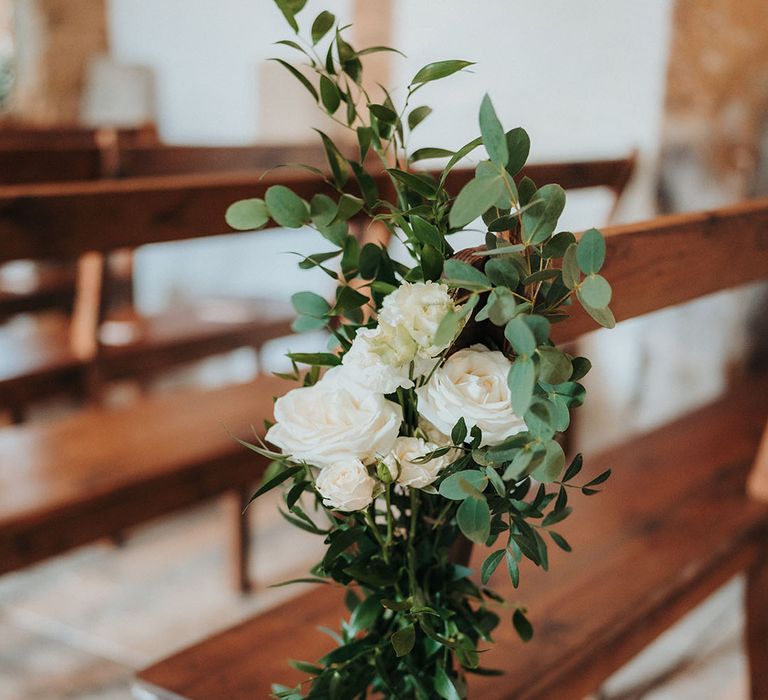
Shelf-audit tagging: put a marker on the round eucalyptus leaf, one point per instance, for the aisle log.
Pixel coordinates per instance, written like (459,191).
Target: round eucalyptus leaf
(590,252)
(286,207)
(595,291)
(247,214)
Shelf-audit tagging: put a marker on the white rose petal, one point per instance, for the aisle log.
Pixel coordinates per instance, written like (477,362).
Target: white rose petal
(418,307)
(333,421)
(472,384)
(346,485)
(377,362)
(403,469)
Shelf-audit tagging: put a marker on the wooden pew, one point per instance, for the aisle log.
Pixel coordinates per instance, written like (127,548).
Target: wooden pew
(673,524)
(63,220)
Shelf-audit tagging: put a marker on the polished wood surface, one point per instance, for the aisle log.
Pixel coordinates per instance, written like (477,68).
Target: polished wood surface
(70,481)
(67,219)
(672,525)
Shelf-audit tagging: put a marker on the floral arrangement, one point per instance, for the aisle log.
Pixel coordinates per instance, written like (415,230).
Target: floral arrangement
(432,421)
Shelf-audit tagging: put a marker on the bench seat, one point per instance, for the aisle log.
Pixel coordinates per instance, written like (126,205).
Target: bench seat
(672,525)
(71,481)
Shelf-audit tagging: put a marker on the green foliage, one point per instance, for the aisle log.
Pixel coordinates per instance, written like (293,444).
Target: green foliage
(418,620)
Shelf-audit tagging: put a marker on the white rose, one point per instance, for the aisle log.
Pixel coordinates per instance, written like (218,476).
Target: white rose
(400,462)
(378,362)
(346,485)
(333,421)
(418,308)
(472,384)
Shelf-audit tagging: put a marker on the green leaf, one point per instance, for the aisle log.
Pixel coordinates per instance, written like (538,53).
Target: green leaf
(600,479)
(336,161)
(366,613)
(418,115)
(526,189)
(503,272)
(554,365)
(463,484)
(348,206)
(459,432)
(438,70)
(571,273)
(475,198)
(519,334)
(474,519)
(490,565)
(496,481)
(378,49)
(427,153)
(444,686)
(540,220)
(323,211)
(557,245)
(522,625)
(383,114)
(432,264)
(403,640)
(329,95)
(308,323)
(518,146)
(595,291)
(494,138)
(581,366)
(465,275)
(539,326)
(276,481)
(425,233)
(466,149)
(322,25)
(417,183)
(501,306)
(290,8)
(574,468)
(521,380)
(323,359)
(603,316)
(560,541)
(364,136)
(286,207)
(348,299)
(590,252)
(552,464)
(310,304)
(370,258)
(298,75)
(513,569)
(247,214)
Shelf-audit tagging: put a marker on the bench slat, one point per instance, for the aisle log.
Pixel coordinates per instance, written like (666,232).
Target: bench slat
(76,479)
(651,542)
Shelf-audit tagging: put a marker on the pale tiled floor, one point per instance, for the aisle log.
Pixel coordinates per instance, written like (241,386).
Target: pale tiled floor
(77,627)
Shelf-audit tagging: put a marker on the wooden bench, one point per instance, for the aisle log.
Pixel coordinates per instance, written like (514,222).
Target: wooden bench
(64,220)
(71,481)
(673,524)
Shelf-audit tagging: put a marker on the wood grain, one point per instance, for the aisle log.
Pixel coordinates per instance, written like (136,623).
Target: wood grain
(74,480)
(643,556)
(67,219)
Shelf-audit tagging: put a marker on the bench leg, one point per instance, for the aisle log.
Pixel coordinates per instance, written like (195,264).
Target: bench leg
(757,628)
(241,541)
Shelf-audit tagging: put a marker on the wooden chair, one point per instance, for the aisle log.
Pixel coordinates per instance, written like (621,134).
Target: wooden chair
(673,524)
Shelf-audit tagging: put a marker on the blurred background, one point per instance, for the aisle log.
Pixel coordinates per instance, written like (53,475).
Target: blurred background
(679,85)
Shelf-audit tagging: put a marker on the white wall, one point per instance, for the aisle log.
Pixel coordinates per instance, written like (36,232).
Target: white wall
(205,54)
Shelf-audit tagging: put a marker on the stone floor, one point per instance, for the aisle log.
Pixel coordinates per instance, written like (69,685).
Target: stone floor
(77,627)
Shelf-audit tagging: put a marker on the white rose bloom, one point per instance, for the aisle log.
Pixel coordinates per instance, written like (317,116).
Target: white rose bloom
(418,308)
(377,362)
(401,462)
(472,384)
(346,485)
(333,421)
